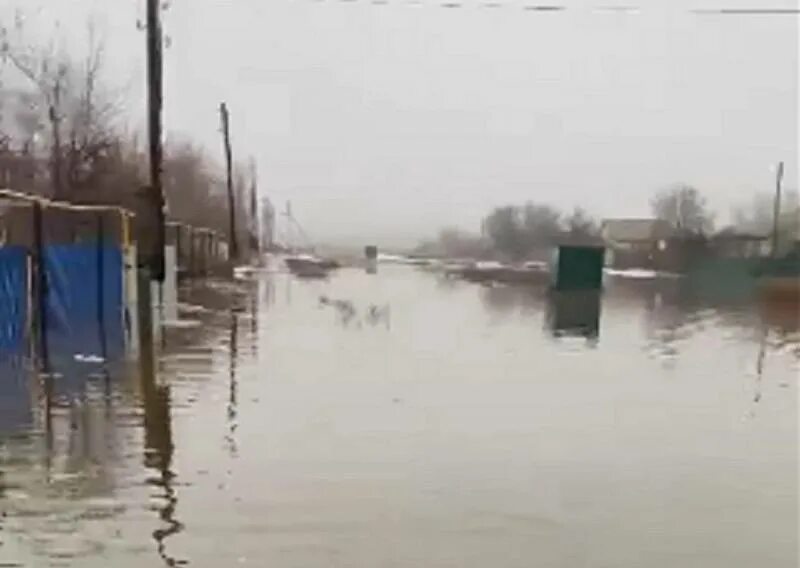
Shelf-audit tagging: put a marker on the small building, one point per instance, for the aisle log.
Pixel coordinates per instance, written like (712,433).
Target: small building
(730,243)
(577,268)
(789,238)
(636,234)
(635,243)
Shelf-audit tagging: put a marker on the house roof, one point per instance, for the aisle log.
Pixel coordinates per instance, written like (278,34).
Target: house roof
(627,230)
(732,233)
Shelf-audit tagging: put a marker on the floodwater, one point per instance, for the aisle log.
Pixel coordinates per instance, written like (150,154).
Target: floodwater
(404,420)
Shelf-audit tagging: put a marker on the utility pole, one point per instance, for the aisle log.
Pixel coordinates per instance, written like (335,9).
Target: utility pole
(267,224)
(226,138)
(254,240)
(777,212)
(289,226)
(154,107)
(55,124)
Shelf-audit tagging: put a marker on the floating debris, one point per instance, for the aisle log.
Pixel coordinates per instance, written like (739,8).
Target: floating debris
(83,358)
(182,323)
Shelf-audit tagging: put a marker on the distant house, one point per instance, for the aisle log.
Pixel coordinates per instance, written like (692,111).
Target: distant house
(636,242)
(794,240)
(632,234)
(789,236)
(732,243)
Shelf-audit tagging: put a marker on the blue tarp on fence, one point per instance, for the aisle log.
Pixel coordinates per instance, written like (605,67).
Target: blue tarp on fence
(15,398)
(84,308)
(13,299)
(16,413)
(83,322)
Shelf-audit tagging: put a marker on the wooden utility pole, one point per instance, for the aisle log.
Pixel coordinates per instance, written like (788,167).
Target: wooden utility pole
(226,138)
(777,212)
(289,226)
(254,236)
(55,124)
(154,107)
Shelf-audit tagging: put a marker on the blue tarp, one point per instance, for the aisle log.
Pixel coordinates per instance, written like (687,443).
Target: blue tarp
(13,299)
(83,320)
(84,310)
(16,414)
(15,398)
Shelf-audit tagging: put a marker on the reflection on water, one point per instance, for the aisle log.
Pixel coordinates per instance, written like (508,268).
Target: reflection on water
(575,314)
(783,322)
(460,435)
(158,451)
(231,437)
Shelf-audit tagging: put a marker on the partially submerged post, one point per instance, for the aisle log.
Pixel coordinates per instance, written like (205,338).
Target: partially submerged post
(371,253)
(40,324)
(155,261)
(255,246)
(777,211)
(150,208)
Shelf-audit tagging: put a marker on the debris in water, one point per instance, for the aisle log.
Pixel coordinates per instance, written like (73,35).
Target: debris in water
(192,308)
(346,309)
(182,323)
(376,314)
(82,358)
(348,312)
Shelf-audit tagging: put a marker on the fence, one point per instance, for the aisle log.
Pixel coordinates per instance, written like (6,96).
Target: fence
(64,295)
(69,286)
(196,251)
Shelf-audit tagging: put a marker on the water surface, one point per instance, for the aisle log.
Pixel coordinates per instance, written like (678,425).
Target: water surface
(408,420)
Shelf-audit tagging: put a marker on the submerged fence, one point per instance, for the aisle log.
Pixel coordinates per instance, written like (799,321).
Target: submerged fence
(64,299)
(69,287)
(195,251)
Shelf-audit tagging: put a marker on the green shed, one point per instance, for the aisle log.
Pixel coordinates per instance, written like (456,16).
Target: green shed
(578,268)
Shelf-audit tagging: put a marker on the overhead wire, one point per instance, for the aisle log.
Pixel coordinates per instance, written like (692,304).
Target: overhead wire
(627,9)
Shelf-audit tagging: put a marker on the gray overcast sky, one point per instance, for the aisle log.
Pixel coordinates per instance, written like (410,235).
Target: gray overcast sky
(385,122)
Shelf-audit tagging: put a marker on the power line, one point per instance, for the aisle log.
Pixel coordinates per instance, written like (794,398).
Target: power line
(749,11)
(626,9)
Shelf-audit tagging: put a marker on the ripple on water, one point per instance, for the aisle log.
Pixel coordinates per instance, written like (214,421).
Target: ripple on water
(484,426)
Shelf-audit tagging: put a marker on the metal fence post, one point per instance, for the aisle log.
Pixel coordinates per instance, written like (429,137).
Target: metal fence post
(40,287)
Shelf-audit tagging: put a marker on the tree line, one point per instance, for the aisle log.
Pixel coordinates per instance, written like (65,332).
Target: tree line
(63,135)
(530,230)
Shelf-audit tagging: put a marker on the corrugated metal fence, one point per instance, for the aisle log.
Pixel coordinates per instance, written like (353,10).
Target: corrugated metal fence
(68,289)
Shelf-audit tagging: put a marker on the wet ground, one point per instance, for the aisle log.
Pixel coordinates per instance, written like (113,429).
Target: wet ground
(405,420)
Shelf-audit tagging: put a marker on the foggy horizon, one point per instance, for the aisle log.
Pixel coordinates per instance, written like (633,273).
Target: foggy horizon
(398,120)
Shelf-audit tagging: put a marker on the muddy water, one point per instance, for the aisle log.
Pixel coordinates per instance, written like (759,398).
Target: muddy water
(407,421)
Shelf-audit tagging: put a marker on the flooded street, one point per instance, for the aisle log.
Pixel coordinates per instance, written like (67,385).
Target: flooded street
(406,420)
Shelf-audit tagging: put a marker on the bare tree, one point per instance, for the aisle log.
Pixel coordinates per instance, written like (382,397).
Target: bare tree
(79,115)
(685,208)
(193,187)
(541,225)
(503,227)
(46,70)
(580,226)
(757,216)
(68,106)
